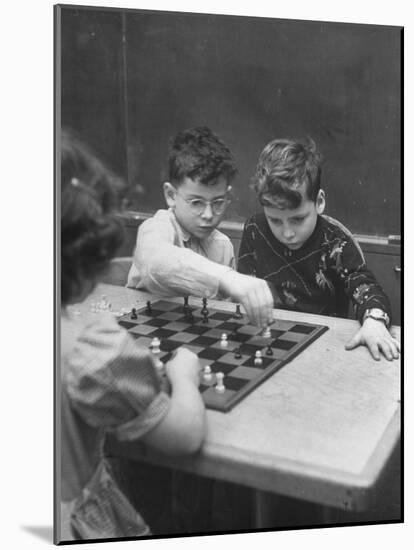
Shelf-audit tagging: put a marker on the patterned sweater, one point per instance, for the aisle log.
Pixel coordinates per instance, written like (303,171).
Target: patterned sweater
(322,277)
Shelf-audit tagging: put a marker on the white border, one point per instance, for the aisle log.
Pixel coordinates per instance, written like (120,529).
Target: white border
(27,267)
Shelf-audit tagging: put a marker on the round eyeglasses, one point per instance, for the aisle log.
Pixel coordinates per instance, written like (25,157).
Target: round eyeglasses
(198,206)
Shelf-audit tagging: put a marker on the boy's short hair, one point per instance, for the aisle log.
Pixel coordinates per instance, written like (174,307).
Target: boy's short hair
(91,231)
(198,153)
(284,167)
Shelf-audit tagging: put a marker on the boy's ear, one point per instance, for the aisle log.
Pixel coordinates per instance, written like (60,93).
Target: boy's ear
(320,202)
(169,194)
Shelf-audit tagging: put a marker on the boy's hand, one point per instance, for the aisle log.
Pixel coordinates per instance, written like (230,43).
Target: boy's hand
(376,337)
(253,293)
(184,364)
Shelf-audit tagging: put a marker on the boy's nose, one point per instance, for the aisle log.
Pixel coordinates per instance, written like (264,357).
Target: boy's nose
(208,211)
(288,232)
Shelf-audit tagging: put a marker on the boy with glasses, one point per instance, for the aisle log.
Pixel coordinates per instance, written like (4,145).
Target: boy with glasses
(179,251)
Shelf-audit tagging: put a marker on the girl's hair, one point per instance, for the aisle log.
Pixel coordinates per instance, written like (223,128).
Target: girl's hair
(199,153)
(284,167)
(91,231)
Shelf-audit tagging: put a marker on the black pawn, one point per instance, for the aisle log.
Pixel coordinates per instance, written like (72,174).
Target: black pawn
(237,353)
(269,350)
(148,310)
(204,313)
(238,313)
(134,313)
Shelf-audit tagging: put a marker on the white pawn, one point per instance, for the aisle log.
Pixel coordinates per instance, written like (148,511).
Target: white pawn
(155,345)
(258,358)
(207,376)
(220,388)
(223,341)
(267,333)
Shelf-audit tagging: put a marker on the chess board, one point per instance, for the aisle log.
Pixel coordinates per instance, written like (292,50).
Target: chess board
(168,322)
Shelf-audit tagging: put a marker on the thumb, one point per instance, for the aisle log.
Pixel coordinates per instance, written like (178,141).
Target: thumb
(353,343)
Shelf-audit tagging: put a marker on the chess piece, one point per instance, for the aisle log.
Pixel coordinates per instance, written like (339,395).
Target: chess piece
(204,310)
(269,350)
(155,345)
(223,340)
(207,376)
(134,313)
(267,332)
(148,311)
(220,388)
(258,358)
(238,313)
(205,315)
(237,353)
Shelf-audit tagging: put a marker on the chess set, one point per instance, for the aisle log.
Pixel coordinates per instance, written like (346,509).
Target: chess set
(235,356)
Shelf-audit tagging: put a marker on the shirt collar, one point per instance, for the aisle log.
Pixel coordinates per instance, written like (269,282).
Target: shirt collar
(183,234)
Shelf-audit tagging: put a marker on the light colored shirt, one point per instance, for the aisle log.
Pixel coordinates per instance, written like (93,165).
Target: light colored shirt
(168,261)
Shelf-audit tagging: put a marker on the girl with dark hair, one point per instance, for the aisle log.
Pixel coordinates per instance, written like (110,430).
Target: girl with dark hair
(108,384)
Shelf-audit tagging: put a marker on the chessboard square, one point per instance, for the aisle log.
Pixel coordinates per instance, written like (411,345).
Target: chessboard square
(230,359)
(249,329)
(204,361)
(230,345)
(170,345)
(194,349)
(143,319)
(183,337)
(163,305)
(266,361)
(245,372)
(259,341)
(221,316)
(229,326)
(218,366)
(214,333)
(177,326)
(170,316)
(239,337)
(294,336)
(166,357)
(157,322)
(163,333)
(233,383)
(211,354)
(277,333)
(249,349)
(215,400)
(142,329)
(126,324)
(197,329)
(279,343)
(302,329)
(204,341)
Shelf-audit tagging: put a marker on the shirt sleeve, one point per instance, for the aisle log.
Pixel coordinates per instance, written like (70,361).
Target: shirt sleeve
(359,282)
(112,382)
(167,269)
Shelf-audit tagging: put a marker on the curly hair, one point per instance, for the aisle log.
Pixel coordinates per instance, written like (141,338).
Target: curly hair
(284,167)
(198,153)
(91,231)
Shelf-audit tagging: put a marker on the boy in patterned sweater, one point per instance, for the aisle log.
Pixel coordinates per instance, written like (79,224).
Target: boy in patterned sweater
(311,262)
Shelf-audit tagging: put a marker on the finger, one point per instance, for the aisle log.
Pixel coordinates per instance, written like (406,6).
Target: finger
(373,348)
(353,343)
(386,350)
(394,347)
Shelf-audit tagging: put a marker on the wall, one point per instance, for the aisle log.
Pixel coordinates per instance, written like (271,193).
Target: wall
(131,79)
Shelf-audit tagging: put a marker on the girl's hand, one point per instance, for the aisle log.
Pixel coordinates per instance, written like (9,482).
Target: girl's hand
(184,364)
(376,337)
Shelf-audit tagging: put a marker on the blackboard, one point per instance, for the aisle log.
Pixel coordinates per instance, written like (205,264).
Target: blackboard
(251,80)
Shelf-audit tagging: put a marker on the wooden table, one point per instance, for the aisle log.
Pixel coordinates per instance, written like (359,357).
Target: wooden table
(322,429)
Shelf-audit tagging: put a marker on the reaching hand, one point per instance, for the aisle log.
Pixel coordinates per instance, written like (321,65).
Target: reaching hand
(184,364)
(253,293)
(376,337)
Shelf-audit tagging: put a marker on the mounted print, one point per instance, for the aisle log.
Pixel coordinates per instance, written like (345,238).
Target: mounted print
(228,196)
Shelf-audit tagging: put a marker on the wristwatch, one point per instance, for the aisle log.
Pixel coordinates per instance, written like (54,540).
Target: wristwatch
(378,315)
